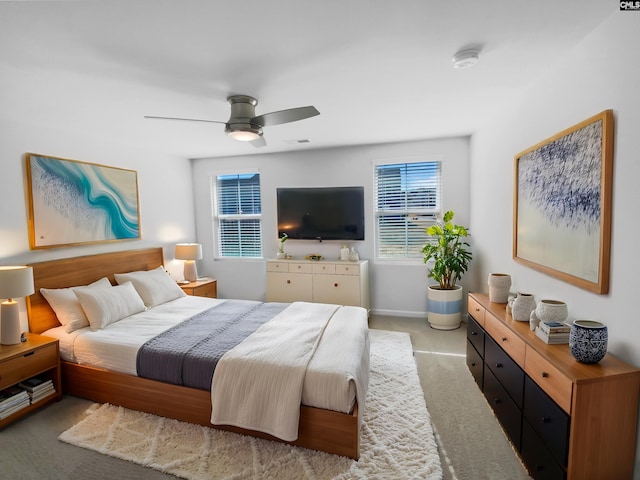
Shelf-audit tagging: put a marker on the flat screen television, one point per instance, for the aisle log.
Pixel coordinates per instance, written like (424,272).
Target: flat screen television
(322,213)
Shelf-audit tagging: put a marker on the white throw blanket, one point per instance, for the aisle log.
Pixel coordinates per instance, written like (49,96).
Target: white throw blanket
(258,384)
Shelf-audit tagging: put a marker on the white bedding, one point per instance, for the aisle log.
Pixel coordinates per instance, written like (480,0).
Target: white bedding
(329,382)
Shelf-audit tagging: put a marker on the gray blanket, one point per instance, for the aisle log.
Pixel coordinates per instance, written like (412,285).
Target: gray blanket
(188,353)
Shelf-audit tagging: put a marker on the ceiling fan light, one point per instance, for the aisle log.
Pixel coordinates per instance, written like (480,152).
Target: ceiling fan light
(244,133)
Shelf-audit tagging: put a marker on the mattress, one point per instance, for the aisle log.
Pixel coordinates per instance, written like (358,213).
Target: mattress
(331,373)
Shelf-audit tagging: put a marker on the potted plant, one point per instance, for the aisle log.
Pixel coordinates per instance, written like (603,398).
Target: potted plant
(448,259)
(281,253)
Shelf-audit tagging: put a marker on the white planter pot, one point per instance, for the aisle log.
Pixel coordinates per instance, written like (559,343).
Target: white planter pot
(444,307)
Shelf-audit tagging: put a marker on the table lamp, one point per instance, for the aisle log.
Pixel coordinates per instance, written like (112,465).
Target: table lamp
(14,282)
(189,252)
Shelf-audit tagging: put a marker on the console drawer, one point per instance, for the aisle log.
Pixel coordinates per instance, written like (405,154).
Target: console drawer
(507,412)
(539,462)
(476,310)
(475,365)
(505,369)
(506,338)
(549,378)
(547,419)
(475,334)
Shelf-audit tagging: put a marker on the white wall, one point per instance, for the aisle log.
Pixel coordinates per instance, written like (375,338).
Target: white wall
(396,287)
(598,75)
(33,118)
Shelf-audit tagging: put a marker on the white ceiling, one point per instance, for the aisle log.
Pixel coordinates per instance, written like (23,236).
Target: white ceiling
(377,70)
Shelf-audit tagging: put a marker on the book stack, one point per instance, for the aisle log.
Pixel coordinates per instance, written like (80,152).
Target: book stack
(37,389)
(12,399)
(553,332)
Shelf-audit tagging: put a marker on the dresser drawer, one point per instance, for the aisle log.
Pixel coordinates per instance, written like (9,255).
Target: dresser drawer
(476,310)
(27,365)
(549,421)
(506,338)
(324,268)
(348,269)
(475,365)
(301,267)
(549,378)
(507,412)
(277,266)
(475,334)
(506,370)
(539,461)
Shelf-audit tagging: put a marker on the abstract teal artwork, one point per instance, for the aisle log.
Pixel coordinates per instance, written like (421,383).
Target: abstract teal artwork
(72,202)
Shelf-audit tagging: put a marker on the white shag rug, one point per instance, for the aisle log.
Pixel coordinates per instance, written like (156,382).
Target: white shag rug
(396,441)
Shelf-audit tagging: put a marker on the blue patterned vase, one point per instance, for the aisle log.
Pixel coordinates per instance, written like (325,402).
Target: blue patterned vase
(588,341)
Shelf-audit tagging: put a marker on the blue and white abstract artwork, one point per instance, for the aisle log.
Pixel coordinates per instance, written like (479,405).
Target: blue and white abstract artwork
(559,203)
(74,202)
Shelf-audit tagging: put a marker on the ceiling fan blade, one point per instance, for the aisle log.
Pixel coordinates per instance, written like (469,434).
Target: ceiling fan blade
(184,119)
(259,142)
(285,116)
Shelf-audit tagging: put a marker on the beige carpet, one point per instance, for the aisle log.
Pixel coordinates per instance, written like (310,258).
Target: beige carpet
(397,440)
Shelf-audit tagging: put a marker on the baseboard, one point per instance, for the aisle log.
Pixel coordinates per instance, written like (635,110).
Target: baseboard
(399,313)
(407,314)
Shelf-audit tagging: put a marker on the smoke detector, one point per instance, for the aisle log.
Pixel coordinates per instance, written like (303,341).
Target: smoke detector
(465,58)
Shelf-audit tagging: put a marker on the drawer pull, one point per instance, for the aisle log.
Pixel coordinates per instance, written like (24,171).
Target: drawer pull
(473,364)
(499,365)
(546,420)
(28,354)
(335,284)
(497,401)
(545,375)
(504,339)
(474,333)
(477,309)
(288,281)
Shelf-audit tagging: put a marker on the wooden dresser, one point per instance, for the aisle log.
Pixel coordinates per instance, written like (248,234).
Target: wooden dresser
(566,419)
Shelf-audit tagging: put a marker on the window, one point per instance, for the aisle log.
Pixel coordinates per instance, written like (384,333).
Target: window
(238,215)
(407,200)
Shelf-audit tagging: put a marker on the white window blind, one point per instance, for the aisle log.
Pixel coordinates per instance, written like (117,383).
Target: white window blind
(407,201)
(238,216)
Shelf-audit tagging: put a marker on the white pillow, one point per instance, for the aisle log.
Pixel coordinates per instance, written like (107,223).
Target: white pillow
(66,306)
(154,286)
(104,306)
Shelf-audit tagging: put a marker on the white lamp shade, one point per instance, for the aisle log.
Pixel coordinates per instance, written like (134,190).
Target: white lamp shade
(188,251)
(16,282)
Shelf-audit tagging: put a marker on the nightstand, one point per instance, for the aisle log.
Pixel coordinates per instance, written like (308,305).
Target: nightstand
(205,287)
(38,356)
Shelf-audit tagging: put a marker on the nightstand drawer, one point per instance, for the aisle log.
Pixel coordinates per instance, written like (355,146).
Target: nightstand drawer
(277,266)
(301,267)
(27,365)
(207,290)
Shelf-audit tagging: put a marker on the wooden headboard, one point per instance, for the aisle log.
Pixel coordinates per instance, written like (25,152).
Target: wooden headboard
(71,272)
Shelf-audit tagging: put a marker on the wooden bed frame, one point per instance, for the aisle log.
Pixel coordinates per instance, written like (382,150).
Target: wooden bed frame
(319,429)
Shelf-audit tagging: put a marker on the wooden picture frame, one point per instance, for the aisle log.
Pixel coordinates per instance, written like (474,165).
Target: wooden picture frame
(76,203)
(562,204)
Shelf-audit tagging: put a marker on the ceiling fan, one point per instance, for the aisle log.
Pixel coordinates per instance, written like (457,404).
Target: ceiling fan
(245,125)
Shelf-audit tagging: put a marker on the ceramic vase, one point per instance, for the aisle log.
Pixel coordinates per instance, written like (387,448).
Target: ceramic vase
(552,311)
(588,341)
(522,307)
(499,284)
